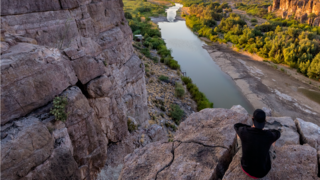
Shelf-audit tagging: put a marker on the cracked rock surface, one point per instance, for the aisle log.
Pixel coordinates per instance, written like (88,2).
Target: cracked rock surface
(202,149)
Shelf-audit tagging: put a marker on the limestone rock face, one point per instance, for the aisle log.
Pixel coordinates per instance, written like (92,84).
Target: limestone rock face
(202,149)
(301,9)
(27,144)
(31,76)
(80,49)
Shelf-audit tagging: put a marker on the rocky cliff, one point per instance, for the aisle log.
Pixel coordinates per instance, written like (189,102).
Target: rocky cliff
(79,49)
(205,147)
(299,9)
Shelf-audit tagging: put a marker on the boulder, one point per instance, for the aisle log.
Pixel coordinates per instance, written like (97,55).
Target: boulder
(213,127)
(32,76)
(87,68)
(141,163)
(287,127)
(28,144)
(157,133)
(292,162)
(309,132)
(239,109)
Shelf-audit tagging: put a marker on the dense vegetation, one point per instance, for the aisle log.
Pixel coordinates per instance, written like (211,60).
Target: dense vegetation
(199,97)
(254,9)
(284,41)
(137,13)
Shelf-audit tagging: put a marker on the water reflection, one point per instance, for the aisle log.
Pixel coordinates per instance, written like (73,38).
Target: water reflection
(172,12)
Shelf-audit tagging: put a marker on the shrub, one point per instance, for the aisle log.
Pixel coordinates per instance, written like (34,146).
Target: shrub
(275,66)
(163,78)
(179,90)
(254,20)
(176,113)
(131,126)
(59,109)
(282,69)
(172,126)
(186,80)
(155,59)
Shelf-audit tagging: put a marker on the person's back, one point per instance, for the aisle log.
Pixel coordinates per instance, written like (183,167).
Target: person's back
(256,143)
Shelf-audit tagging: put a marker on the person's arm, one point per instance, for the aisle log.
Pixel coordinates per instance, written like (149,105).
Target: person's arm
(276,135)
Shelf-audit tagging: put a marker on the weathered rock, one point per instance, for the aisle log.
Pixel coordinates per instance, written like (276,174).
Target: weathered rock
(60,165)
(292,162)
(197,161)
(27,145)
(295,161)
(157,133)
(31,76)
(101,87)
(213,127)
(88,139)
(87,69)
(309,132)
(287,127)
(239,109)
(4,47)
(97,45)
(141,163)
(203,148)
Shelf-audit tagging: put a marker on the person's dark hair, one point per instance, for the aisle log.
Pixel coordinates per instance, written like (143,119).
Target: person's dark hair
(259,118)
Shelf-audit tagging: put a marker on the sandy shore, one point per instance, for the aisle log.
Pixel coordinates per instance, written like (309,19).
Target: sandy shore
(265,86)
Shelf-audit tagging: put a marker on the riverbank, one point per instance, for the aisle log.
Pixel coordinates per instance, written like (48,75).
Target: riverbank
(265,86)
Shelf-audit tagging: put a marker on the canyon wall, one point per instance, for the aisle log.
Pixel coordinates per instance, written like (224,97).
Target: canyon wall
(299,9)
(79,49)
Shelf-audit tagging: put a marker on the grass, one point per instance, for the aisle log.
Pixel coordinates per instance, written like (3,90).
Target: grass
(163,78)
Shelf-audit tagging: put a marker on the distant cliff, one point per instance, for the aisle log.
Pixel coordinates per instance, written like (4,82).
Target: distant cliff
(79,49)
(299,9)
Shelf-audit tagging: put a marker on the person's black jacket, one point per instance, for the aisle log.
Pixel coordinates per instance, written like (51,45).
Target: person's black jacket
(255,149)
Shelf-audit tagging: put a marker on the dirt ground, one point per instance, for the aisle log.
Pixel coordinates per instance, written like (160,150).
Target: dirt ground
(265,86)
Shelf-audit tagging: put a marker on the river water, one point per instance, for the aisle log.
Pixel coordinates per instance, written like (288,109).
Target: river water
(196,62)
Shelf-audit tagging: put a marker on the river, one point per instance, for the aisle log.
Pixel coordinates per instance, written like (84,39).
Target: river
(196,62)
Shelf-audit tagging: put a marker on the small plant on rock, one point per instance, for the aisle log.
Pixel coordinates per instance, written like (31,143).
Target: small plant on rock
(163,78)
(179,90)
(176,113)
(59,109)
(131,126)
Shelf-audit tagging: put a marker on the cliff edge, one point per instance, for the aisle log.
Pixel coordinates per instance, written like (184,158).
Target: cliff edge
(205,147)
